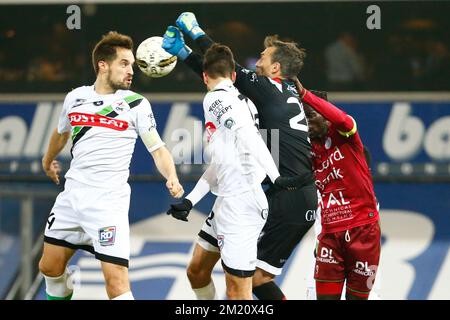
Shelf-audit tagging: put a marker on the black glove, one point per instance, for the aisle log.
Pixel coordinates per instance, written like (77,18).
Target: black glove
(181,210)
(266,180)
(296,182)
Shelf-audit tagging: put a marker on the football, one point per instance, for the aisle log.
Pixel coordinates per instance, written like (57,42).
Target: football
(153,60)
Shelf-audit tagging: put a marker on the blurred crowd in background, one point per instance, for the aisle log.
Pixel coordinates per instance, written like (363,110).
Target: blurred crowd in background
(38,53)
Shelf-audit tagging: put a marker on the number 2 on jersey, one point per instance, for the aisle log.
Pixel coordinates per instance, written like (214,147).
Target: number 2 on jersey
(294,122)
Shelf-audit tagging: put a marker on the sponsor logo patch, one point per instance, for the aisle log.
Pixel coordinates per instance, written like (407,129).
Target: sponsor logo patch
(229,123)
(210,129)
(107,236)
(120,106)
(79,102)
(363,268)
(95,120)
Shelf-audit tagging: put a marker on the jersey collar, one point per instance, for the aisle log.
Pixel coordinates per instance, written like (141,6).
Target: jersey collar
(223,84)
(276,79)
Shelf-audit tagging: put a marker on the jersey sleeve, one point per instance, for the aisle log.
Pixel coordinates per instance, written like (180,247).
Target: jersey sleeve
(146,126)
(195,62)
(207,182)
(250,84)
(247,81)
(63,121)
(344,124)
(204,42)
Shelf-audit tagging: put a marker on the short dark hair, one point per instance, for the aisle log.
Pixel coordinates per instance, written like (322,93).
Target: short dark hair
(288,54)
(218,61)
(309,111)
(105,49)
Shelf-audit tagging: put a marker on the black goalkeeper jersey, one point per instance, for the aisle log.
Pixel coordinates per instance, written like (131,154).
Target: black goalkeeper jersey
(280,113)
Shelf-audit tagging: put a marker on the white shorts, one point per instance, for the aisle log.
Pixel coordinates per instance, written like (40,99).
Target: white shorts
(233,228)
(93,219)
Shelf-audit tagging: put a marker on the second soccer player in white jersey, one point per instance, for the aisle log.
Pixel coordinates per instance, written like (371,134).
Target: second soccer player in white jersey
(91,213)
(239,162)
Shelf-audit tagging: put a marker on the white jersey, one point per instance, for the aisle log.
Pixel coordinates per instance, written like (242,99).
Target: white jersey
(104,130)
(232,168)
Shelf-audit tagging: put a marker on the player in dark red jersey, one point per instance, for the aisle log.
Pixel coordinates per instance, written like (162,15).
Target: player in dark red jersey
(349,244)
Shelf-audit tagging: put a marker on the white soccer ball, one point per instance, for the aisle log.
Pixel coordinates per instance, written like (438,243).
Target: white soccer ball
(153,60)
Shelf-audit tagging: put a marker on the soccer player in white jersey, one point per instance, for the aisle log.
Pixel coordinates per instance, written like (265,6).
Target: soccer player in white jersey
(103,121)
(239,162)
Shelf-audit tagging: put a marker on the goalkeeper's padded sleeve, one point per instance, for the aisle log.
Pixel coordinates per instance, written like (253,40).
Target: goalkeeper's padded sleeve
(195,62)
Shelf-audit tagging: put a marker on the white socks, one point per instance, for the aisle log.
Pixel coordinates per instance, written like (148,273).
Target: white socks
(206,293)
(124,296)
(57,288)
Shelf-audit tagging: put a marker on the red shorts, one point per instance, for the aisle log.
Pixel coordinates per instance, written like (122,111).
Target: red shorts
(351,255)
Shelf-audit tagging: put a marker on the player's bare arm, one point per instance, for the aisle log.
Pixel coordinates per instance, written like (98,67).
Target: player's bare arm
(49,164)
(164,163)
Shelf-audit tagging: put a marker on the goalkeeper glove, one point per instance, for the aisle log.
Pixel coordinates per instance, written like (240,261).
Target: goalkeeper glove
(187,22)
(181,210)
(173,43)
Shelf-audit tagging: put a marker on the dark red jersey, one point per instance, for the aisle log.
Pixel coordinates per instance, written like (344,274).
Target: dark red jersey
(342,175)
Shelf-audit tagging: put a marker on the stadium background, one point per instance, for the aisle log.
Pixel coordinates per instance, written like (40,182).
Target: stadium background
(400,97)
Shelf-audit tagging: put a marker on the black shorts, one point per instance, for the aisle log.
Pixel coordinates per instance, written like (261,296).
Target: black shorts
(291,214)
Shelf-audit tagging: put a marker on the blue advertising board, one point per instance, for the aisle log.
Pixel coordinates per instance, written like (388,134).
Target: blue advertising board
(408,139)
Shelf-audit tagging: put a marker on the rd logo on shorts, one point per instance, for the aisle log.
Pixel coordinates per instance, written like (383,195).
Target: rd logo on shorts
(107,236)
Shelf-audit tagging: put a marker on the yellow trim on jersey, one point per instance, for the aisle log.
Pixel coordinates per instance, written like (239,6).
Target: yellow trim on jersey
(351,132)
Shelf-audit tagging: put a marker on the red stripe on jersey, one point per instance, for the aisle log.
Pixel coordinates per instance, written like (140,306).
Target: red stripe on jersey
(95,120)
(277,80)
(210,129)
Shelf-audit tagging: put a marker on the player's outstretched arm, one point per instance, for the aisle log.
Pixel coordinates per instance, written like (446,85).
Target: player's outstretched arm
(188,24)
(203,186)
(181,210)
(344,123)
(246,80)
(49,164)
(165,165)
